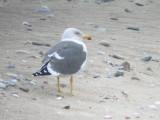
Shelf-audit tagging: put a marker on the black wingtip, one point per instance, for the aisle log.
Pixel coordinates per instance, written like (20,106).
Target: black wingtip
(36,74)
(42,72)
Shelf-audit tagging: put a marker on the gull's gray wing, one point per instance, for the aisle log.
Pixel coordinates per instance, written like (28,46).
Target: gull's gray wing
(65,57)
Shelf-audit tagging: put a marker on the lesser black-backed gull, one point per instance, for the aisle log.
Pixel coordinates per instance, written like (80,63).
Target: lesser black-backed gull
(66,57)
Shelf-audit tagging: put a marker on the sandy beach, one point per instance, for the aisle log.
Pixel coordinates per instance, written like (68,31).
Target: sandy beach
(131,30)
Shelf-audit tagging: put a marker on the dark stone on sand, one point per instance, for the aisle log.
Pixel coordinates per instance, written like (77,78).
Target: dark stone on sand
(118,73)
(156,60)
(24,89)
(40,43)
(106,98)
(114,18)
(42,18)
(149,69)
(107,0)
(29,28)
(40,52)
(10,65)
(135,78)
(117,56)
(67,107)
(127,10)
(109,75)
(96,76)
(139,4)
(148,58)
(133,28)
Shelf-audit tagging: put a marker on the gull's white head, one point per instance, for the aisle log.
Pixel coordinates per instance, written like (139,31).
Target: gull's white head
(73,33)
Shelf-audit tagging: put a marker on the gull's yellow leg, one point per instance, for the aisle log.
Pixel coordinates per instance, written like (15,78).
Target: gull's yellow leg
(58,84)
(71,82)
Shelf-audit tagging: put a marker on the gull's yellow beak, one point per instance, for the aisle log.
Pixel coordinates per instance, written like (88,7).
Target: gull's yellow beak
(87,37)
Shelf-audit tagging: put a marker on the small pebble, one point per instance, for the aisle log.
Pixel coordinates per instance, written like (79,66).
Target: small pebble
(109,62)
(153,107)
(100,52)
(96,76)
(107,0)
(34,99)
(135,78)
(105,59)
(95,26)
(26,23)
(24,89)
(133,28)
(50,15)
(9,83)
(22,51)
(40,43)
(148,58)
(117,56)
(139,4)
(149,69)
(127,117)
(42,18)
(156,60)
(10,65)
(14,76)
(86,71)
(120,67)
(106,98)
(109,75)
(29,28)
(118,73)
(28,42)
(3,86)
(114,18)
(127,10)
(104,43)
(80,76)
(67,107)
(116,64)
(107,117)
(33,57)
(63,85)
(40,52)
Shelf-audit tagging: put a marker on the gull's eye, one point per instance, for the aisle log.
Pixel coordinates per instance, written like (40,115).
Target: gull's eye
(77,33)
